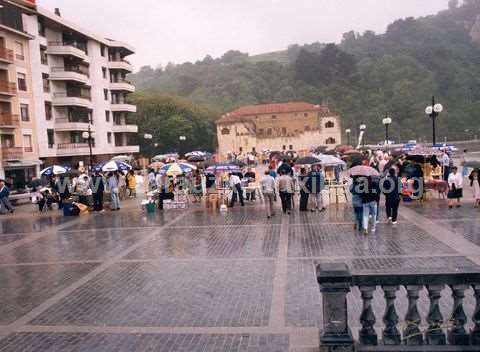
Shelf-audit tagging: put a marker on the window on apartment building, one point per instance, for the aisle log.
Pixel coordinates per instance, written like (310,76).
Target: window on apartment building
(102,50)
(240,149)
(27,143)
(225,131)
(48,110)
(261,131)
(104,72)
(43,55)
(105,94)
(330,140)
(107,116)
(306,114)
(41,27)
(7,140)
(284,147)
(24,112)
(19,53)
(269,131)
(290,147)
(46,82)
(51,138)
(284,131)
(109,137)
(253,150)
(22,81)
(274,116)
(307,128)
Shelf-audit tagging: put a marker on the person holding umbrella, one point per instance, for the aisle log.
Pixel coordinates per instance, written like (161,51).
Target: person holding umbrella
(315,185)
(392,192)
(112,183)
(302,180)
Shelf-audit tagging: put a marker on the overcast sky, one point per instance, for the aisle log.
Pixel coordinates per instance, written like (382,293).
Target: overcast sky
(187,30)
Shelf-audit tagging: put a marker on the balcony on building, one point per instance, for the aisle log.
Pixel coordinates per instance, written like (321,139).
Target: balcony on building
(8,120)
(74,119)
(6,55)
(73,97)
(73,73)
(69,47)
(73,149)
(7,88)
(122,85)
(122,125)
(12,153)
(125,143)
(120,103)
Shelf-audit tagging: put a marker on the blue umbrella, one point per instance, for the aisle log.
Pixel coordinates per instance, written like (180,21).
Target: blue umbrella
(177,169)
(113,165)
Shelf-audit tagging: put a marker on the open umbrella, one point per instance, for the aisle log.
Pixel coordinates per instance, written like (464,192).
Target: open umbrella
(362,170)
(329,160)
(352,152)
(176,169)
(218,168)
(54,170)
(112,166)
(195,158)
(308,160)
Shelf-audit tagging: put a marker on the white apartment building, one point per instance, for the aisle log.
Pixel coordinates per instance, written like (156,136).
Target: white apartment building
(79,84)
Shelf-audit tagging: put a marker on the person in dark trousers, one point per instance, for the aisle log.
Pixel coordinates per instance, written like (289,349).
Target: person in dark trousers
(285,188)
(98,188)
(303,178)
(391,190)
(357,202)
(62,187)
(236,186)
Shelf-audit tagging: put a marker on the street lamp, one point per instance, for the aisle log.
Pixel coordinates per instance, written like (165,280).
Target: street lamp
(387,121)
(363,127)
(348,132)
(89,136)
(433,111)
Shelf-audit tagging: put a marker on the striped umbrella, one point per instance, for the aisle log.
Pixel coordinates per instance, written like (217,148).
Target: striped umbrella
(177,169)
(111,166)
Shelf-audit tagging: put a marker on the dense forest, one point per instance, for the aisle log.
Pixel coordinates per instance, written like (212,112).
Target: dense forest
(363,77)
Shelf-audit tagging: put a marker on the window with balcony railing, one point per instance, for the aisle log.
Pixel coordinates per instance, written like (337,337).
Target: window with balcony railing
(76,69)
(6,54)
(22,81)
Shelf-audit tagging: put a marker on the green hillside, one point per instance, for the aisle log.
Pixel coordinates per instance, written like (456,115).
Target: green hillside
(363,77)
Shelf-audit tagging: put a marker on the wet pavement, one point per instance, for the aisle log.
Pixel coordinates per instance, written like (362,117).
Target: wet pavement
(199,280)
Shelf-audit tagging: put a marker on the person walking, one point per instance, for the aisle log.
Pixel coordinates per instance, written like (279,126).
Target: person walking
(475,183)
(131,184)
(114,191)
(286,188)
(446,165)
(236,186)
(267,185)
(4,201)
(455,184)
(98,189)
(122,185)
(369,201)
(250,177)
(316,184)
(62,188)
(304,194)
(391,190)
(357,202)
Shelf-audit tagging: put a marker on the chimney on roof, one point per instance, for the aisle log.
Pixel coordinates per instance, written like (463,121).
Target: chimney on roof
(57,12)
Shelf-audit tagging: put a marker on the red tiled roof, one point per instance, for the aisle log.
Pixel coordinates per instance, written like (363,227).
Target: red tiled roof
(251,110)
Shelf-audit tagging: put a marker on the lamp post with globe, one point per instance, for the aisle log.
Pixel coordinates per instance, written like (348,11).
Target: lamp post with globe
(348,132)
(363,128)
(433,111)
(89,136)
(387,121)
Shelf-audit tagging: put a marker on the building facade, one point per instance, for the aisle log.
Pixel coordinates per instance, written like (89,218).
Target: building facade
(295,126)
(18,129)
(58,81)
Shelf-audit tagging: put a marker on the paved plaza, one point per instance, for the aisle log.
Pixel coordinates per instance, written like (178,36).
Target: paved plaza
(198,280)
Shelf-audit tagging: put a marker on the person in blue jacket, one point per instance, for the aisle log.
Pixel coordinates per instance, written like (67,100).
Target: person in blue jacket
(4,201)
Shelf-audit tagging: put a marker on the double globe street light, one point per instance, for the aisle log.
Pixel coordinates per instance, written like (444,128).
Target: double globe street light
(89,136)
(348,132)
(387,121)
(433,111)
(363,128)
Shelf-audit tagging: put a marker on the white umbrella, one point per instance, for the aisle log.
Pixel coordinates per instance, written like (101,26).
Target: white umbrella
(115,166)
(329,160)
(54,170)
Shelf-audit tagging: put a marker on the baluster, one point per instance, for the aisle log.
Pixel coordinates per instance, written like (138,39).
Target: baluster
(457,335)
(435,335)
(391,335)
(412,334)
(367,334)
(476,317)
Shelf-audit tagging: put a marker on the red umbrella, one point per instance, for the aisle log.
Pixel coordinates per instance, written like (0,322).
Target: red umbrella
(362,170)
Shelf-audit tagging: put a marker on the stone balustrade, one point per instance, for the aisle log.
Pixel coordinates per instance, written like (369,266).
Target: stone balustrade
(438,334)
